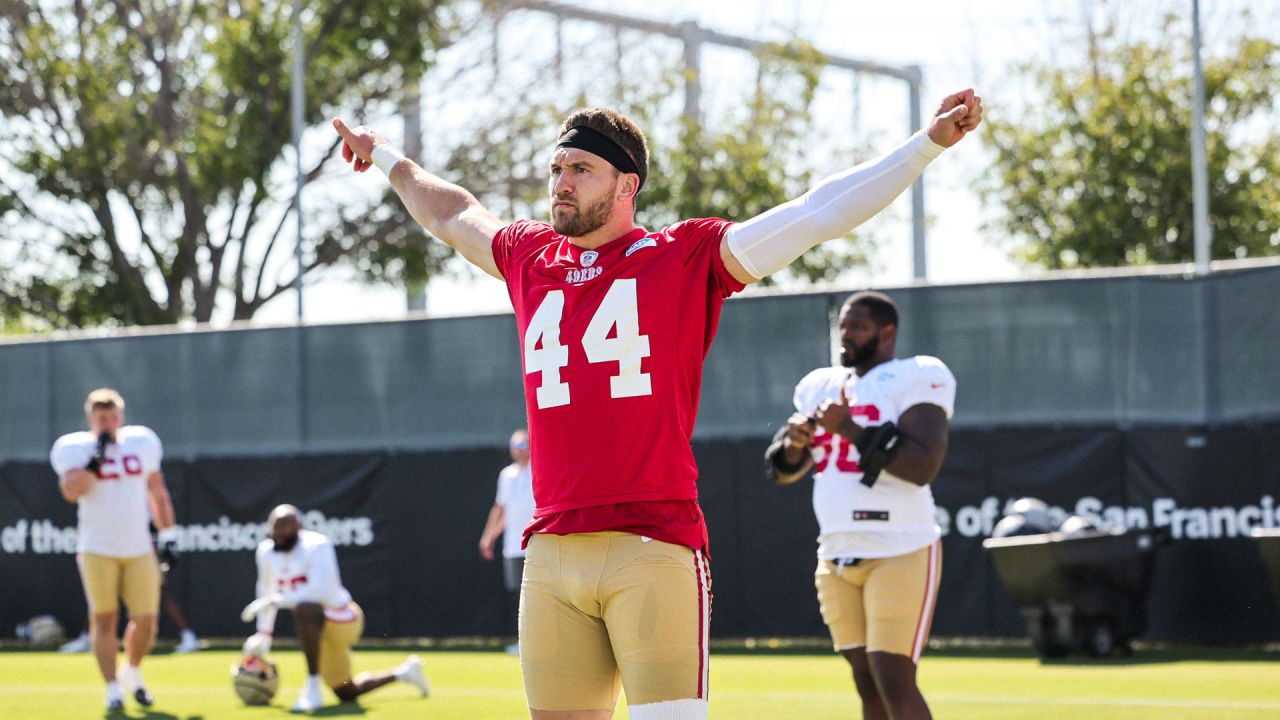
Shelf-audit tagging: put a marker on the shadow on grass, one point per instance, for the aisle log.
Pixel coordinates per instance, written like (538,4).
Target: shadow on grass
(147,715)
(346,708)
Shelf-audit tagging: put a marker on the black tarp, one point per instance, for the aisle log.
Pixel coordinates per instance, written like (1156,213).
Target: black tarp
(406,525)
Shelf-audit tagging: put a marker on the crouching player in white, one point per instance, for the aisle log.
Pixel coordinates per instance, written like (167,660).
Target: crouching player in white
(298,571)
(875,432)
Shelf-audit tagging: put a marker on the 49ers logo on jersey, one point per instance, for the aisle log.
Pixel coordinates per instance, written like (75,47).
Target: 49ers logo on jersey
(577,277)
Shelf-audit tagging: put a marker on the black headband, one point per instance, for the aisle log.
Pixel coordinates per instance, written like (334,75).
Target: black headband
(597,143)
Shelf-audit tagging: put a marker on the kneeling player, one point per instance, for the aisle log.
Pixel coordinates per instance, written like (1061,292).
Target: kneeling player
(298,571)
(879,557)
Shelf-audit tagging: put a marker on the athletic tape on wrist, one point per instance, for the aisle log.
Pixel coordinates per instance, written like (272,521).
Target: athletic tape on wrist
(386,157)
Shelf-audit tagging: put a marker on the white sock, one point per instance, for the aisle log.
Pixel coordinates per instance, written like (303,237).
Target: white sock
(188,636)
(313,681)
(113,690)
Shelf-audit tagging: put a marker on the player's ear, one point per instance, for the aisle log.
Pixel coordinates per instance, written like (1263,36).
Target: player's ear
(889,332)
(629,186)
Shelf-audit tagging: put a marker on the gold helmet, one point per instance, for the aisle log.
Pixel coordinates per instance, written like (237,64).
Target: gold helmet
(255,680)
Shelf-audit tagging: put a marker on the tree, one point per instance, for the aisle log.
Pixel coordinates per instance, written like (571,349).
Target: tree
(1098,171)
(736,166)
(141,140)
(739,169)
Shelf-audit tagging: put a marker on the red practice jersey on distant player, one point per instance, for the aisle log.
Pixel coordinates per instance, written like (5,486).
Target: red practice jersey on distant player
(613,342)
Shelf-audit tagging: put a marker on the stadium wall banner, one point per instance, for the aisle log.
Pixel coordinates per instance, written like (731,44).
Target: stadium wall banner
(406,526)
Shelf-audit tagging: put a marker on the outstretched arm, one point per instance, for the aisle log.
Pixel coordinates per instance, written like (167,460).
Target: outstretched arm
(769,242)
(446,210)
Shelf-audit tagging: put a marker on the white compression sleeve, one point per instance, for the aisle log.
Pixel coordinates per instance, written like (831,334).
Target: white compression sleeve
(772,240)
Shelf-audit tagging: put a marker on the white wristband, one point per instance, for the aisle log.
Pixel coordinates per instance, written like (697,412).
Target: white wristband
(386,157)
(167,534)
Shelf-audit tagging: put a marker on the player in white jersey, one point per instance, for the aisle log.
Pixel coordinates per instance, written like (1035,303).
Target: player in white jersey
(298,571)
(511,513)
(112,472)
(875,432)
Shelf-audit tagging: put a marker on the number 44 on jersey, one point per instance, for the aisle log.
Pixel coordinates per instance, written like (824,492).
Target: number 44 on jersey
(618,310)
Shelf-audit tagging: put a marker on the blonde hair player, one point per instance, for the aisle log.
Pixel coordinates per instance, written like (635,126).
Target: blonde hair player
(615,321)
(112,473)
(874,430)
(298,571)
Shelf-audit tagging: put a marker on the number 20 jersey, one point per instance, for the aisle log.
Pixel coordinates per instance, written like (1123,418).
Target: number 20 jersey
(113,514)
(893,516)
(612,344)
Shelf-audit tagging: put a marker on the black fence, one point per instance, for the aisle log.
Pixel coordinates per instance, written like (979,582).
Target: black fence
(406,524)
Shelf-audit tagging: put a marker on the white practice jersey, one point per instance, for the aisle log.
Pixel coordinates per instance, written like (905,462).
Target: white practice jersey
(892,517)
(515,495)
(114,514)
(307,573)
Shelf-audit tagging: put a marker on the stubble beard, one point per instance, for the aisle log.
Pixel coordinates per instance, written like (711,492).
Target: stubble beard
(580,222)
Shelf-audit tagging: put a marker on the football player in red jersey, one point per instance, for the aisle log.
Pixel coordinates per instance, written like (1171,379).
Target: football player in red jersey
(615,322)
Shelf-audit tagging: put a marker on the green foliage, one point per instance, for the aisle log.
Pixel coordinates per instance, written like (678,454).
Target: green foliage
(1098,173)
(739,169)
(735,167)
(162,122)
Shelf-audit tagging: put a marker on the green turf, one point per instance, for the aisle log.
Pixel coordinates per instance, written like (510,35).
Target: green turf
(486,685)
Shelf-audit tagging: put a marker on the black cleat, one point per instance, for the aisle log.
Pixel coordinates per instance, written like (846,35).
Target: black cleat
(143,697)
(115,705)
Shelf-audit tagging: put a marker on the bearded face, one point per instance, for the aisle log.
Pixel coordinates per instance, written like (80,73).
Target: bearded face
(572,218)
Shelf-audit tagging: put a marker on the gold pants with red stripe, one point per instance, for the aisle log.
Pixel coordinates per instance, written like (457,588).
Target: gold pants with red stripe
(342,630)
(882,604)
(609,610)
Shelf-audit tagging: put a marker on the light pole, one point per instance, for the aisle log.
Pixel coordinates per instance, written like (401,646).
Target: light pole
(1199,171)
(298,98)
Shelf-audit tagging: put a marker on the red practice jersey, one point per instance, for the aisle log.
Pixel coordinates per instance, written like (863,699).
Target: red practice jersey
(613,342)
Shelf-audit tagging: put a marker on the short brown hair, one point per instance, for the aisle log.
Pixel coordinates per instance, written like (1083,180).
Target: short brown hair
(615,126)
(103,398)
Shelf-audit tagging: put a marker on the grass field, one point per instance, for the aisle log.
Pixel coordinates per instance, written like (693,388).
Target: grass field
(486,686)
